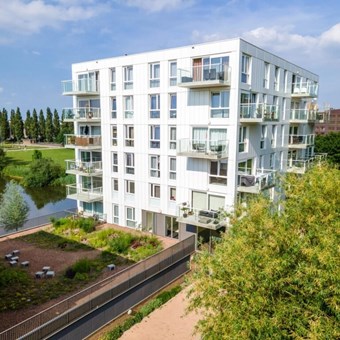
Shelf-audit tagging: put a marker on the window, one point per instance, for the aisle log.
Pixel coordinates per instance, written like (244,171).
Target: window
(272,160)
(114,162)
(113,107)
(114,135)
(173,105)
(172,168)
(172,194)
(263,136)
(155,136)
(113,79)
(245,167)
(172,228)
(155,166)
(242,143)
(218,172)
(155,190)
(154,105)
(128,77)
(154,75)
(266,75)
(172,138)
(128,106)
(277,79)
(129,163)
(172,73)
(115,214)
(219,104)
(130,187)
(274,132)
(130,217)
(129,135)
(115,184)
(245,75)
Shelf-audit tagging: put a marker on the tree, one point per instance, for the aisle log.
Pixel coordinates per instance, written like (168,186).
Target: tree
(28,125)
(12,124)
(275,275)
(41,128)
(18,126)
(4,126)
(34,126)
(56,124)
(49,126)
(330,144)
(66,128)
(13,208)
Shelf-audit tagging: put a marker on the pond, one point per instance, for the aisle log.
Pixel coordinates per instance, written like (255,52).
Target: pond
(42,202)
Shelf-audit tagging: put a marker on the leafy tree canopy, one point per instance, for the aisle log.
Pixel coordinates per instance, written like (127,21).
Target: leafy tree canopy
(13,208)
(330,144)
(276,275)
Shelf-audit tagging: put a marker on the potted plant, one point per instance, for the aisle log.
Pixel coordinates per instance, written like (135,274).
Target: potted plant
(185,209)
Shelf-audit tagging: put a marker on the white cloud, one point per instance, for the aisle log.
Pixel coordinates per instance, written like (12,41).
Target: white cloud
(197,36)
(27,17)
(158,5)
(332,36)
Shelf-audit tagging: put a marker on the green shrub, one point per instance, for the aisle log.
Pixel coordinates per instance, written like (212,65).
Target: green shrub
(82,266)
(121,243)
(81,276)
(87,224)
(12,276)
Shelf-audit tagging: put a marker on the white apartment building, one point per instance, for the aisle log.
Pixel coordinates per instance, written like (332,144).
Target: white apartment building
(164,139)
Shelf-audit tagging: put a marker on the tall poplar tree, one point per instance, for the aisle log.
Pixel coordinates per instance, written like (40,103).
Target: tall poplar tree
(34,126)
(4,126)
(18,126)
(49,126)
(28,125)
(56,125)
(12,125)
(42,130)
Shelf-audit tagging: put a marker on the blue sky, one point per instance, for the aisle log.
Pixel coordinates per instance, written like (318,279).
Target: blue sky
(40,39)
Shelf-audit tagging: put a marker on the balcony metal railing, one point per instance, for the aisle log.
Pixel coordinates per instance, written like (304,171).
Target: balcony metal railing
(259,112)
(305,115)
(301,140)
(263,179)
(84,168)
(205,76)
(305,89)
(205,218)
(78,192)
(81,113)
(300,166)
(85,86)
(83,141)
(210,149)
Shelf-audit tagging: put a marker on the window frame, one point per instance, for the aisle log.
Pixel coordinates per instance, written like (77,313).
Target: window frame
(113,107)
(172,171)
(130,217)
(218,178)
(114,132)
(114,161)
(128,77)
(130,187)
(115,213)
(154,81)
(172,77)
(172,142)
(172,106)
(129,134)
(113,75)
(128,103)
(154,143)
(154,171)
(155,190)
(219,111)
(172,194)
(129,160)
(242,139)
(155,112)
(245,68)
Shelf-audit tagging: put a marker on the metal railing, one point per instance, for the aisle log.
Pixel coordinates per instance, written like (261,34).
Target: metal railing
(67,311)
(263,179)
(81,113)
(265,112)
(305,115)
(82,167)
(79,190)
(196,147)
(301,139)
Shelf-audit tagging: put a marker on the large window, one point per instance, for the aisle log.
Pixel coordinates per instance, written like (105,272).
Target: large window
(129,135)
(130,187)
(113,79)
(114,135)
(172,105)
(114,162)
(113,107)
(116,214)
(245,72)
(128,106)
(155,106)
(155,190)
(263,136)
(172,168)
(130,217)
(154,75)
(155,166)
(129,163)
(155,136)
(172,73)
(219,104)
(128,77)
(242,139)
(218,172)
(172,138)
(245,168)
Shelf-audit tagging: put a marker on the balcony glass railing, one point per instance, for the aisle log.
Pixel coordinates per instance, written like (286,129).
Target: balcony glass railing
(302,165)
(263,179)
(307,89)
(305,115)
(215,73)
(260,111)
(83,193)
(82,167)
(195,147)
(82,140)
(85,85)
(81,113)
(301,139)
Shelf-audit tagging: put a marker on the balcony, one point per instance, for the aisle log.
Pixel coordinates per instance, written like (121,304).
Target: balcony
(305,90)
(203,218)
(204,76)
(300,141)
(259,113)
(81,87)
(254,184)
(300,166)
(84,168)
(77,192)
(305,116)
(82,141)
(206,149)
(81,114)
